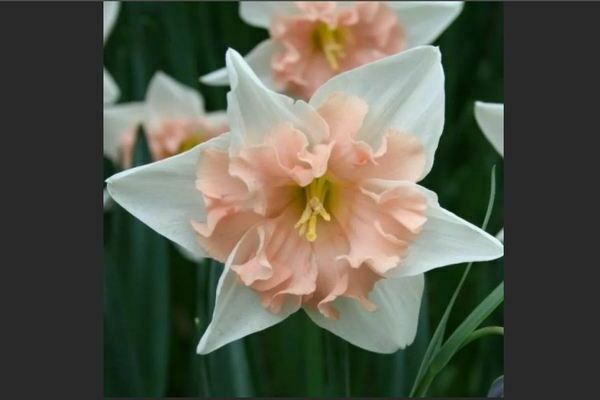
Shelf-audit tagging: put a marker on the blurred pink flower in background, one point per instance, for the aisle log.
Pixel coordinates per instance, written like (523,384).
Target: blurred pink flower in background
(313,41)
(172,116)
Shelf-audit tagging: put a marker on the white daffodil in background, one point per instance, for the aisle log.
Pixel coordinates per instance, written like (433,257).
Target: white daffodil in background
(172,116)
(315,206)
(310,42)
(490,117)
(111,11)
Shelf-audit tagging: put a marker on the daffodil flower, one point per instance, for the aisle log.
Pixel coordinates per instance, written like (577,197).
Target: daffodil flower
(173,118)
(315,206)
(310,42)
(111,11)
(490,117)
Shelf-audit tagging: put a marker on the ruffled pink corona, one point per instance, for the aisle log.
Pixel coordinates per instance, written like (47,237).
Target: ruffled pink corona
(324,39)
(313,222)
(170,137)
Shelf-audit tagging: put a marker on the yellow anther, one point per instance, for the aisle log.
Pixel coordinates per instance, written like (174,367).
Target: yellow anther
(311,235)
(330,40)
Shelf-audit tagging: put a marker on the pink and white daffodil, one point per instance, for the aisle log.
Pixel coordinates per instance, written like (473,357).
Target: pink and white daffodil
(490,117)
(173,118)
(111,11)
(310,42)
(314,205)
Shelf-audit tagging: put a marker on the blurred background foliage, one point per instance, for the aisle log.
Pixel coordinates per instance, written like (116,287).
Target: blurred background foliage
(157,303)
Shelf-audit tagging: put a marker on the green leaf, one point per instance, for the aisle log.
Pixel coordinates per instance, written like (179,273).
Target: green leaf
(121,370)
(461,336)
(479,333)
(313,340)
(141,150)
(438,335)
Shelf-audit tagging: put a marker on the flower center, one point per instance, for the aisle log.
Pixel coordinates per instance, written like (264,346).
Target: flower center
(331,42)
(315,194)
(191,141)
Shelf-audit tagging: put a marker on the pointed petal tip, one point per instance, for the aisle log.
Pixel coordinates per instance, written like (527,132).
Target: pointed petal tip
(205,79)
(435,50)
(201,348)
(430,52)
(110,183)
(113,181)
(232,62)
(232,55)
(498,248)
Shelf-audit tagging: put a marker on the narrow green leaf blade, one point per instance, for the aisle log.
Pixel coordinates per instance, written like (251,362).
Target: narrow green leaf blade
(121,370)
(468,326)
(438,335)
(461,335)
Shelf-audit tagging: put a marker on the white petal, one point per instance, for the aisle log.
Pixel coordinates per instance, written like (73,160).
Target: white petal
(500,235)
(424,21)
(253,110)
(260,13)
(169,99)
(490,117)
(404,91)
(237,312)
(195,257)
(111,90)
(259,59)
(163,194)
(216,78)
(446,239)
(111,11)
(392,326)
(117,120)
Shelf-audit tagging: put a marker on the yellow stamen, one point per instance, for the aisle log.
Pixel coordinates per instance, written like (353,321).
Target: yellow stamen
(315,194)
(305,216)
(330,40)
(192,141)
